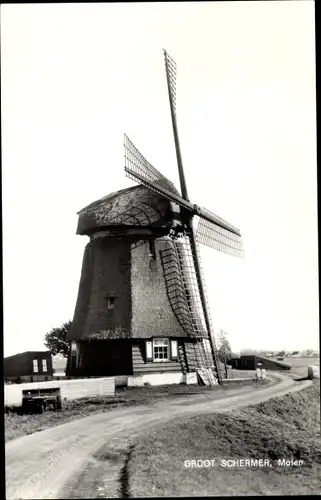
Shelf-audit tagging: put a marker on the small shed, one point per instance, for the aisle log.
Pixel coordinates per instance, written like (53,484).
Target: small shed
(250,362)
(28,366)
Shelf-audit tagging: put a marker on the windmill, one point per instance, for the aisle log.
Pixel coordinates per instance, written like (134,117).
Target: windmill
(212,230)
(148,221)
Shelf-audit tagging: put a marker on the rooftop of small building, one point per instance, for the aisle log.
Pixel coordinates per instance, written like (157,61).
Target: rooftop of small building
(34,353)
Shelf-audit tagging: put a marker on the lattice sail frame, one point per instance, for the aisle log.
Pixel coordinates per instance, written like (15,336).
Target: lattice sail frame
(183,292)
(219,238)
(171,69)
(212,231)
(201,333)
(135,163)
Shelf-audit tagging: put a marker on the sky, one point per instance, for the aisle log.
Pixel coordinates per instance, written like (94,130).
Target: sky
(76,77)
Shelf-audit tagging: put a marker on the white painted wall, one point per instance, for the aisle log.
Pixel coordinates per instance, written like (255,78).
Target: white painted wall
(313,371)
(70,389)
(191,378)
(156,379)
(121,380)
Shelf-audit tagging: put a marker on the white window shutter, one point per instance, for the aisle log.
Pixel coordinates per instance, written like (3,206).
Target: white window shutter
(174,349)
(149,350)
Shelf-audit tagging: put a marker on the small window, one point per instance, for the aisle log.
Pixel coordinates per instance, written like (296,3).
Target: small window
(110,302)
(161,349)
(44,365)
(35,366)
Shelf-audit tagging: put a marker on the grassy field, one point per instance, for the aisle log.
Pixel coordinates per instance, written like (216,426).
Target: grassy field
(283,427)
(299,366)
(232,373)
(19,425)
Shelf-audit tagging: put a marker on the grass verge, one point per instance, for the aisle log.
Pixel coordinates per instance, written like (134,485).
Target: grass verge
(284,427)
(20,425)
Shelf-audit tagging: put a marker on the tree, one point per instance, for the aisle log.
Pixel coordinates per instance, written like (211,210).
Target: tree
(56,340)
(224,349)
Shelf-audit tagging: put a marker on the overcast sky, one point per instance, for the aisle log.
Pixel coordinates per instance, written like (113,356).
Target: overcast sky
(75,77)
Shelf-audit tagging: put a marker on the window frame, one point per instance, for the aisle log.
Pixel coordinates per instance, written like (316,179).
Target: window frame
(44,363)
(111,303)
(35,365)
(162,342)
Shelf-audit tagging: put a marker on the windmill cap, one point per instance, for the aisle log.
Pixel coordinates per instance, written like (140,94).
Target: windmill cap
(132,206)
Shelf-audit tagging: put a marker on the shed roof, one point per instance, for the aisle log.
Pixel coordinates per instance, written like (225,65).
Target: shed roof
(33,353)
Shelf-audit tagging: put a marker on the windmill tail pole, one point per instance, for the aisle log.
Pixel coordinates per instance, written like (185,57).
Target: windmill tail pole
(204,304)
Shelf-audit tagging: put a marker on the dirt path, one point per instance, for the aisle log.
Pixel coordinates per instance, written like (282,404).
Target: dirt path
(86,458)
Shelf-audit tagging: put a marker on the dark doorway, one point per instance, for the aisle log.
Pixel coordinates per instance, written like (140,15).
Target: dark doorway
(106,358)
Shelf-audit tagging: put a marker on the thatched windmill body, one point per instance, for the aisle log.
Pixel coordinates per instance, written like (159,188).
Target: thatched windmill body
(142,310)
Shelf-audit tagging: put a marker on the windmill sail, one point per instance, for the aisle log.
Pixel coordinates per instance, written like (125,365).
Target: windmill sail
(135,163)
(201,331)
(215,236)
(212,230)
(134,172)
(140,170)
(175,286)
(170,66)
(183,292)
